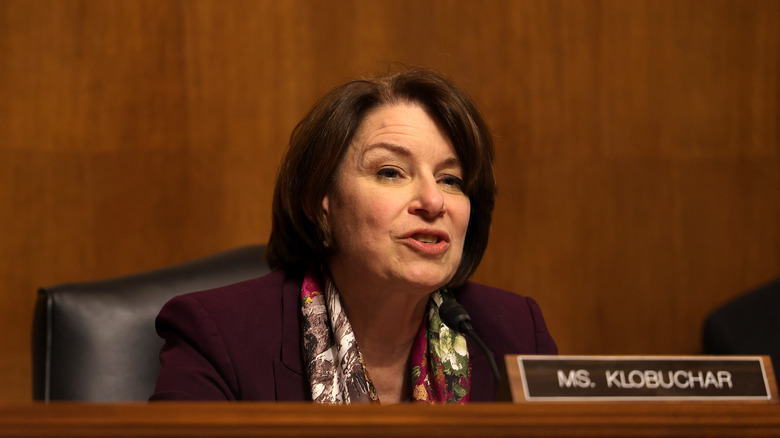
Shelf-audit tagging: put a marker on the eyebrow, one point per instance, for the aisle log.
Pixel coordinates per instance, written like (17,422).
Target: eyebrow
(398,149)
(402,150)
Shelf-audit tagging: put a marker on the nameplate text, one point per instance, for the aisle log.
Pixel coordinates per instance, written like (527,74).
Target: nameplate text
(594,378)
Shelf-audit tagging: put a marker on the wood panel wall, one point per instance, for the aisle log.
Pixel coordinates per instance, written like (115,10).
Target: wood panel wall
(638,144)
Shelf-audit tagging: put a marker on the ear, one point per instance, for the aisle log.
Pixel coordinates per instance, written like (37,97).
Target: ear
(324,225)
(325,204)
(310,214)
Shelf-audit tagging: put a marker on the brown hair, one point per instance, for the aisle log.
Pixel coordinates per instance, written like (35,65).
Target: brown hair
(299,232)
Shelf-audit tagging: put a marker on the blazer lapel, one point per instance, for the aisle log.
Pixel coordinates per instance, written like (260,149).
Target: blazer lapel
(291,384)
(483,386)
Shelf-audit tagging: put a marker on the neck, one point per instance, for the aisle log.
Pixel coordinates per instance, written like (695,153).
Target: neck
(385,324)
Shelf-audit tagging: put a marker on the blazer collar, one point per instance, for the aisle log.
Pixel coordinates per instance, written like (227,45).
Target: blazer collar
(483,385)
(292,355)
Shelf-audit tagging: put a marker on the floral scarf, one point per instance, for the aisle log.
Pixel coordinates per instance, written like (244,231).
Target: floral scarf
(441,369)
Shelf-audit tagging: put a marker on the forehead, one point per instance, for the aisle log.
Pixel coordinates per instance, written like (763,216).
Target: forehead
(404,125)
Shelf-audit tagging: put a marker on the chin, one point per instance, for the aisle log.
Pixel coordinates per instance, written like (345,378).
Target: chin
(428,279)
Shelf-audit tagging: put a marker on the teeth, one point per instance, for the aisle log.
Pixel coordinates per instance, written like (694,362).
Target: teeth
(424,238)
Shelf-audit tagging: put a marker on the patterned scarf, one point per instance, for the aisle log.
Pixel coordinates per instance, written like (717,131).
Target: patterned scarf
(441,369)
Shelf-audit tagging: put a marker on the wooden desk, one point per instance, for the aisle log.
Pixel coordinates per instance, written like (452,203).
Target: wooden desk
(474,420)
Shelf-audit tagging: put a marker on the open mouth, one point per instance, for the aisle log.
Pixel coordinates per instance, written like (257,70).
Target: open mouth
(428,242)
(428,239)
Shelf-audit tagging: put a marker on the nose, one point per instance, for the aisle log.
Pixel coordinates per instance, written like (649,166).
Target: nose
(428,199)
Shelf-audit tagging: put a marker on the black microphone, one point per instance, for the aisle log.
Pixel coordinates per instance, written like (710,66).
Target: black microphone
(456,318)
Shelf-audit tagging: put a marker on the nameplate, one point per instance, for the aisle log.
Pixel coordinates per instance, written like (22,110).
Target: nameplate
(641,378)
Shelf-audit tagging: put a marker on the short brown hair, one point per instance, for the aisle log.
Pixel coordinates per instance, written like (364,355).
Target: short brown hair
(299,232)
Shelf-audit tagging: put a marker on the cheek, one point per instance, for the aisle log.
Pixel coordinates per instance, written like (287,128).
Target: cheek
(461,213)
(378,213)
(361,213)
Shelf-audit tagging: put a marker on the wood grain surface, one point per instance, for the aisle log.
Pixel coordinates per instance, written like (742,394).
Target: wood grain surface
(407,420)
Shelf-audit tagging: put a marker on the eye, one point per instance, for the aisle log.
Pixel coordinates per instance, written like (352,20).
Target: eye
(388,173)
(452,181)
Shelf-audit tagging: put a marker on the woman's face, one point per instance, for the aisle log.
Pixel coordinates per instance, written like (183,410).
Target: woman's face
(397,213)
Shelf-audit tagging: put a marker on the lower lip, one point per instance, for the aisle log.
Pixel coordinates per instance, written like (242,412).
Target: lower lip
(433,249)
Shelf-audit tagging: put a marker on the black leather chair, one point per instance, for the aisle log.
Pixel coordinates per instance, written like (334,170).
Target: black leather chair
(748,324)
(95,341)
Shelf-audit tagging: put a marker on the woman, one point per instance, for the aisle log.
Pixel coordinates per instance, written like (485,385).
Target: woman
(381,212)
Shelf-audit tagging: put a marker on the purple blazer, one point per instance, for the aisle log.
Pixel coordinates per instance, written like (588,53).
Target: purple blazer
(243,341)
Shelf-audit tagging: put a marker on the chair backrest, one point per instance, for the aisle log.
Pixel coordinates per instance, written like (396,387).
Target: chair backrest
(748,324)
(96,341)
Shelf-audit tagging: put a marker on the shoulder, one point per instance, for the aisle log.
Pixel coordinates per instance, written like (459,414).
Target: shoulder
(222,343)
(478,294)
(266,289)
(496,304)
(236,308)
(513,323)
